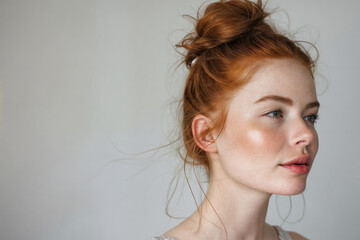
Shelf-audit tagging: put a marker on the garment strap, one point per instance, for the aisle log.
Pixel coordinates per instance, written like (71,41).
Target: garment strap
(283,235)
(162,237)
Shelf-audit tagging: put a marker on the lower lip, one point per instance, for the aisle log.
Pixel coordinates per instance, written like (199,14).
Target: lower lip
(297,169)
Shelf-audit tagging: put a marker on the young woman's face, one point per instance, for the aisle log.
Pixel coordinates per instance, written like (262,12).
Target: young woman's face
(269,139)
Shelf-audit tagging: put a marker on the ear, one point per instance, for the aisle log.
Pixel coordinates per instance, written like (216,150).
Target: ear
(206,142)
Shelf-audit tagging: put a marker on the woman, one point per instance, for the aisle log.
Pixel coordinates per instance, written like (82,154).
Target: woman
(249,113)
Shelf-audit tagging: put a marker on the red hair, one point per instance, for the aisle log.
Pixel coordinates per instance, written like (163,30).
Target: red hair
(231,40)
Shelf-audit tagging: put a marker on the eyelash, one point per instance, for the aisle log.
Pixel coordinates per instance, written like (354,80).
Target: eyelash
(315,117)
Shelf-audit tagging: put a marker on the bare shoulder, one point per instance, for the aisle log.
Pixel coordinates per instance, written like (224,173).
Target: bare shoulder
(181,231)
(296,236)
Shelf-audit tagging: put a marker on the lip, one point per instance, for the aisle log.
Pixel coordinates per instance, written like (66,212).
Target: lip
(299,165)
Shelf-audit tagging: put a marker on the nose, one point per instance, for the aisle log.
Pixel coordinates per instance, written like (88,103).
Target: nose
(302,133)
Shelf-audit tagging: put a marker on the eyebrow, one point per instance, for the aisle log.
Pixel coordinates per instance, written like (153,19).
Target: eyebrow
(286,100)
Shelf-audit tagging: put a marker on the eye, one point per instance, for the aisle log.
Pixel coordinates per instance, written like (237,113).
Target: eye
(275,114)
(312,118)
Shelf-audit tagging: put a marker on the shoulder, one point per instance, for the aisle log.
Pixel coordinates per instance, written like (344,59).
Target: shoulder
(296,236)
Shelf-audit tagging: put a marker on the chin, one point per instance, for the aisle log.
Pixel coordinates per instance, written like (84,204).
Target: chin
(293,187)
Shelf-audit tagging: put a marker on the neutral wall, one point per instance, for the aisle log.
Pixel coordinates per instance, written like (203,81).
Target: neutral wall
(83,81)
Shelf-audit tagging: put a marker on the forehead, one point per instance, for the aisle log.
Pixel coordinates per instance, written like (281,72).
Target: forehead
(284,77)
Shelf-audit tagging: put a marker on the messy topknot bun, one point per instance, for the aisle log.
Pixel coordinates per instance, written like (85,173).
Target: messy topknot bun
(230,41)
(224,22)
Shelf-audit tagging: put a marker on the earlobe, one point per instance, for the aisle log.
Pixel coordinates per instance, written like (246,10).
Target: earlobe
(205,141)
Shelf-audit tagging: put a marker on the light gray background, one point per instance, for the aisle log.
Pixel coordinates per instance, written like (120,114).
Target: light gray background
(80,77)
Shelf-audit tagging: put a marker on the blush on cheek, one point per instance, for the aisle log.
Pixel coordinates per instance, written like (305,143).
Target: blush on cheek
(262,140)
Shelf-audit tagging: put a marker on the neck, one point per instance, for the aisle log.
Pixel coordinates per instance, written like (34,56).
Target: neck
(239,210)
(230,211)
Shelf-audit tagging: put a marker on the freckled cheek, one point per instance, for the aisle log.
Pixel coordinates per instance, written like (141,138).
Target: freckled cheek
(261,140)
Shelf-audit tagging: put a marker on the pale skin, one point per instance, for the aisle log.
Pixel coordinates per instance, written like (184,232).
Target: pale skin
(270,122)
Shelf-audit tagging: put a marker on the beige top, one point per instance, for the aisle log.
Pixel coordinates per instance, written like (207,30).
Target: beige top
(283,235)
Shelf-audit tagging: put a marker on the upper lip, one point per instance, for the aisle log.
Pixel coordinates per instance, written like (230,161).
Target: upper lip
(301,160)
